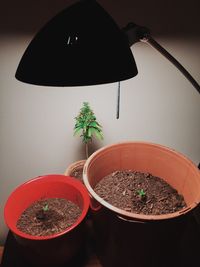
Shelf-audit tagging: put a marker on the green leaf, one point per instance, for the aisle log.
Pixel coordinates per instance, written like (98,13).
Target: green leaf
(86,139)
(89,132)
(141,193)
(79,124)
(77,131)
(92,130)
(98,134)
(93,124)
(46,207)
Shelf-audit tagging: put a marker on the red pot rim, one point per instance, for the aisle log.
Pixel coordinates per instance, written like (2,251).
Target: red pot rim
(53,177)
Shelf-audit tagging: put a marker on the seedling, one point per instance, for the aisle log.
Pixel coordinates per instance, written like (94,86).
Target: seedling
(45,208)
(87,126)
(41,214)
(142,194)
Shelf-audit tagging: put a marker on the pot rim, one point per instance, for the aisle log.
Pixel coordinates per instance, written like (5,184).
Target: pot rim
(53,178)
(126,215)
(74,165)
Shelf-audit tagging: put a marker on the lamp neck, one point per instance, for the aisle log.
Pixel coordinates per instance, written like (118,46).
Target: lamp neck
(137,33)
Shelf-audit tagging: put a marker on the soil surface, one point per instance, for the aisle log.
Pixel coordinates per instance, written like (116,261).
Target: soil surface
(48,216)
(78,173)
(139,192)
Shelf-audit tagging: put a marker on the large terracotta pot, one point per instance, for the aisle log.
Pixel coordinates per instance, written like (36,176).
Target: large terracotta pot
(128,239)
(54,249)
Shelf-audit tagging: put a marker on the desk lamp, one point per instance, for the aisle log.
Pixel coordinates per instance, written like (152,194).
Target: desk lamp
(82,45)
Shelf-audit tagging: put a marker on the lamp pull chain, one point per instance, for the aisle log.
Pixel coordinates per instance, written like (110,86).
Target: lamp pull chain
(118,100)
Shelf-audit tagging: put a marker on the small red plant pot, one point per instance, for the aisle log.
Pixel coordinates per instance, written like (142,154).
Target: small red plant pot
(57,248)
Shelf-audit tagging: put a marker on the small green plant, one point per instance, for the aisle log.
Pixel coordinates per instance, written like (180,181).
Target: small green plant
(87,126)
(41,214)
(46,207)
(141,194)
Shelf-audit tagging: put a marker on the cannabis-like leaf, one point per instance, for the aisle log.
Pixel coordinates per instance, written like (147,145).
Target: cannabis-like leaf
(87,126)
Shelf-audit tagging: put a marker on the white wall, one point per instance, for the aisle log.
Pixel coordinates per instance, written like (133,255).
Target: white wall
(36,133)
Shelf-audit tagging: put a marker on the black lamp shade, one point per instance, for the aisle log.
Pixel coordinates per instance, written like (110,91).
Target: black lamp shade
(82,45)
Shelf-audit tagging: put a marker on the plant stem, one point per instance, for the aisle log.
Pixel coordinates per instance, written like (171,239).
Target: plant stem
(86,150)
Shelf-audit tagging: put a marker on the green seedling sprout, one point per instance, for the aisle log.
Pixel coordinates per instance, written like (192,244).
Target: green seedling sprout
(45,208)
(41,214)
(87,126)
(141,194)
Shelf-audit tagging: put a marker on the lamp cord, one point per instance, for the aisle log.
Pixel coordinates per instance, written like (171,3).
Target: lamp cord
(118,100)
(149,40)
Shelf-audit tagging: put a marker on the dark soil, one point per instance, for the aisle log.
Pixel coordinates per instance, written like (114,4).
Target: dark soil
(78,173)
(48,216)
(139,192)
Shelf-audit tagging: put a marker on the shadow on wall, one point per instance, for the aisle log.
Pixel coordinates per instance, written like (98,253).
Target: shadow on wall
(168,18)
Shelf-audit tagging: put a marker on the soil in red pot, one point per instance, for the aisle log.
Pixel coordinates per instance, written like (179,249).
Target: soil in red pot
(140,193)
(48,216)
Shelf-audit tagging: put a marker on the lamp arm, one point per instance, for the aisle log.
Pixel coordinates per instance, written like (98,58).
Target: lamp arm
(137,33)
(149,40)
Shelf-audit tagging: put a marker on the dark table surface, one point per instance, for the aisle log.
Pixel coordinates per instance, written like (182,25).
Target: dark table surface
(13,255)
(188,255)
